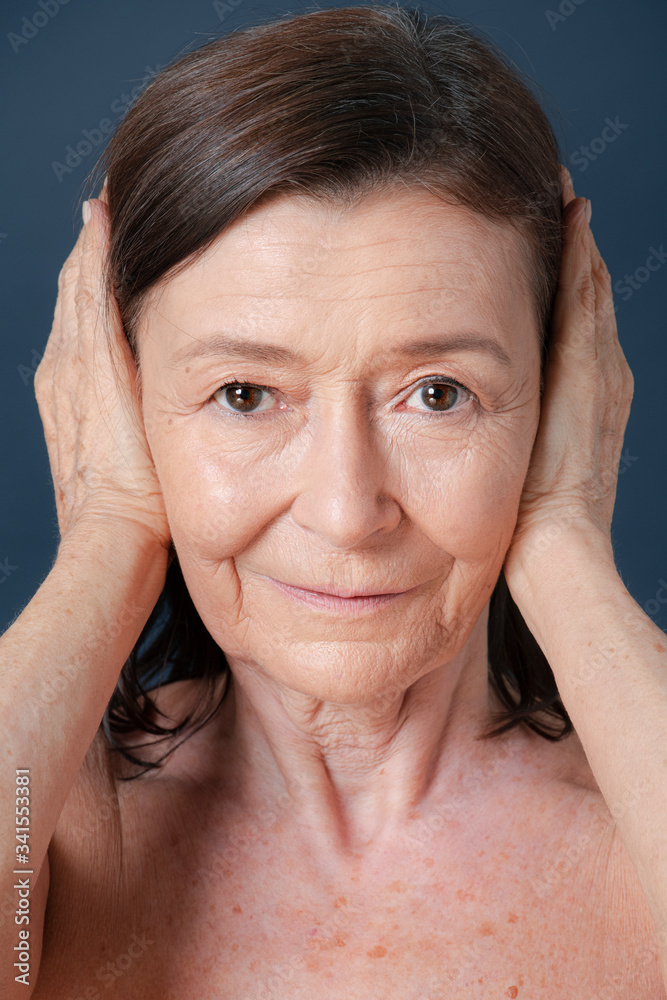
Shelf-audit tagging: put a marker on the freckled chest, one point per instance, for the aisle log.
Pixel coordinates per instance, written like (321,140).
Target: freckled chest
(515,903)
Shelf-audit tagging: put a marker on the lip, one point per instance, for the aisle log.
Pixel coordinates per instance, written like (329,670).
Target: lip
(338,600)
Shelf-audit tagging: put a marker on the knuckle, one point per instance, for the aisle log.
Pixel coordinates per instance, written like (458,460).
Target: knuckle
(602,269)
(86,296)
(40,373)
(82,297)
(44,376)
(41,389)
(584,292)
(67,273)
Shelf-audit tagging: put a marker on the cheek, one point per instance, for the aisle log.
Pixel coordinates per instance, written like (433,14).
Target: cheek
(465,499)
(217,497)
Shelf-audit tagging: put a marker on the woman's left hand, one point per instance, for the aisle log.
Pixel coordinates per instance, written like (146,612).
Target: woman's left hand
(573,471)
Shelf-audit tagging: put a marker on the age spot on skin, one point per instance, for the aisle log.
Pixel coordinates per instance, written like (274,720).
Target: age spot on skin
(377,952)
(398,886)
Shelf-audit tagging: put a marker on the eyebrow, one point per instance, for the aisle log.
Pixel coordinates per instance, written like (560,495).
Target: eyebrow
(227,345)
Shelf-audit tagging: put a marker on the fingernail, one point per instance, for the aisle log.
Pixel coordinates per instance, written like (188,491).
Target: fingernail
(589,210)
(86,212)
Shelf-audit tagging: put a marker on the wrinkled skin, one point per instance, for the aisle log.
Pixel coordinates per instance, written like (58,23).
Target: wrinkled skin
(345,477)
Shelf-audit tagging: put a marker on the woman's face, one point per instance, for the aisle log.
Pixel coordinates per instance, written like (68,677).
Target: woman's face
(348,464)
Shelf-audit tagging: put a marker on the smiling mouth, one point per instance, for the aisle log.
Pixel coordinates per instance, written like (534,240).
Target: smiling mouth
(347,595)
(338,601)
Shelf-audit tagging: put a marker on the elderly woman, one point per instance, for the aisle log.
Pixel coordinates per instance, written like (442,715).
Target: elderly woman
(334,386)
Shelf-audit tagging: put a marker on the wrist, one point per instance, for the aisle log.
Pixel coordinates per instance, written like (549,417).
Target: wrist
(113,534)
(563,557)
(123,555)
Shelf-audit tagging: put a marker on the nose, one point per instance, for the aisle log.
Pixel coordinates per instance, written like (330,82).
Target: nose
(343,479)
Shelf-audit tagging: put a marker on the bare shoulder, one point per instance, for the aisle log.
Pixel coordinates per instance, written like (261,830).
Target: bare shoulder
(587,867)
(609,874)
(89,823)
(92,818)
(104,794)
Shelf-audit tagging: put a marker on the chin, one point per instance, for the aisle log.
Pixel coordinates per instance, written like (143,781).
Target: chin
(345,673)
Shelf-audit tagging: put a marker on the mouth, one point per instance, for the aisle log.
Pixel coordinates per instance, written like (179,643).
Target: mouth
(339,600)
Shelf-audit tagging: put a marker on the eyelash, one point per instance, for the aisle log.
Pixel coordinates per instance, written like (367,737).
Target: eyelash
(432,379)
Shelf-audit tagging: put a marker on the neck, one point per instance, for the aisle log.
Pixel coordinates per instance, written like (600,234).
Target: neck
(354,773)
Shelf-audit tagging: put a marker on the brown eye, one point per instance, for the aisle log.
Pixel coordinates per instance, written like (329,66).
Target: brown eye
(438,397)
(241,397)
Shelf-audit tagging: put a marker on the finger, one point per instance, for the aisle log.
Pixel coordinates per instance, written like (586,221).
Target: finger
(75,279)
(109,335)
(100,236)
(70,269)
(607,343)
(569,196)
(573,319)
(62,344)
(598,266)
(99,212)
(566,184)
(601,282)
(95,318)
(104,353)
(604,298)
(93,253)
(574,220)
(63,333)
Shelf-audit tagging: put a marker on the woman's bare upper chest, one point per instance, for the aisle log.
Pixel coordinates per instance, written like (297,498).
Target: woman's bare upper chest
(535,897)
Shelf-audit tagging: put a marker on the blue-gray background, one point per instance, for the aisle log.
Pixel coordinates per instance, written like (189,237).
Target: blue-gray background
(67,66)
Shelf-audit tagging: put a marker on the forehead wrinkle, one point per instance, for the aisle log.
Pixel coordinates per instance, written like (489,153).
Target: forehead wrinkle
(484,279)
(488,283)
(266,229)
(452,255)
(464,279)
(488,316)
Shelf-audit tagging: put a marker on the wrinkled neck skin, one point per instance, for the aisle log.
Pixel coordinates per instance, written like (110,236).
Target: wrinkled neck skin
(355,774)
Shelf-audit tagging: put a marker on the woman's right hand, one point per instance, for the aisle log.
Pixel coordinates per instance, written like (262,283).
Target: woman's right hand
(87,393)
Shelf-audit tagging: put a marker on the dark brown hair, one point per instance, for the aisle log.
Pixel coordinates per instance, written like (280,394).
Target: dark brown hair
(335,104)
